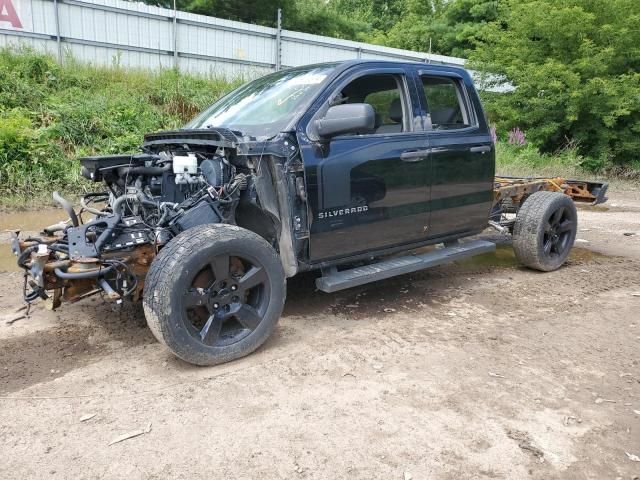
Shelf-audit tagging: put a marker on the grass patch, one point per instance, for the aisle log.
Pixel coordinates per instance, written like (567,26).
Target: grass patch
(527,161)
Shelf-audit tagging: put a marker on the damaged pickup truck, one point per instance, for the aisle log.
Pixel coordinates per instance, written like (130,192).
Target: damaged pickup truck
(342,168)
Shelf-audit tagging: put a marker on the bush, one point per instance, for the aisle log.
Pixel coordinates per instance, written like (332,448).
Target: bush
(28,161)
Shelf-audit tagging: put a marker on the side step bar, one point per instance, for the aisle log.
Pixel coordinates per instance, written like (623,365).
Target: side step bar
(339,280)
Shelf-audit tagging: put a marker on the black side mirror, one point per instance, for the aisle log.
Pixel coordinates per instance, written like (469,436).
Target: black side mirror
(346,118)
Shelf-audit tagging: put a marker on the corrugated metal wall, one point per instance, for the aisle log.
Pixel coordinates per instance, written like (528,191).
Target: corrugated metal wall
(143,36)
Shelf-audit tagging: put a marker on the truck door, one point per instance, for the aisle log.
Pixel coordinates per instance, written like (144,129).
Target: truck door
(368,191)
(462,153)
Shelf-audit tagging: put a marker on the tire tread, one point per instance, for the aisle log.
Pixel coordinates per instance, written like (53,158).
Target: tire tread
(158,285)
(529,222)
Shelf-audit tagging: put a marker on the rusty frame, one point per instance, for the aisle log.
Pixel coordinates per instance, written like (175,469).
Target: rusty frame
(517,189)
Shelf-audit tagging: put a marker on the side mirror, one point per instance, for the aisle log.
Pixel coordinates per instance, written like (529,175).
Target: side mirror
(346,118)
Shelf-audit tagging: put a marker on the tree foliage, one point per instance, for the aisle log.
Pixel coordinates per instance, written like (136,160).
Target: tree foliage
(574,67)
(321,18)
(250,11)
(447,28)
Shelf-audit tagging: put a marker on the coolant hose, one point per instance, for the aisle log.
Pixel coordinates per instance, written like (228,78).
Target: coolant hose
(123,171)
(95,211)
(117,207)
(144,201)
(67,207)
(117,204)
(51,229)
(26,253)
(164,216)
(80,275)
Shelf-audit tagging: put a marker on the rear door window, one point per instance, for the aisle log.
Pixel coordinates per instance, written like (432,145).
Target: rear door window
(446,103)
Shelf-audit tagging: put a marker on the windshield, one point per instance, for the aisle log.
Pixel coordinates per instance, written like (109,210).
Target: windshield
(264,107)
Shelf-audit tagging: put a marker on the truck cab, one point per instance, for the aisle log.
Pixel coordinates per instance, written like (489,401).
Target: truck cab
(422,173)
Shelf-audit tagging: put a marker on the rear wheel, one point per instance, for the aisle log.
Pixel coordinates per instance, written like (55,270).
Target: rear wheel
(214,293)
(545,230)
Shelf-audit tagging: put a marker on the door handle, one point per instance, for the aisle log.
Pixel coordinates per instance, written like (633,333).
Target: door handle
(480,149)
(439,150)
(414,155)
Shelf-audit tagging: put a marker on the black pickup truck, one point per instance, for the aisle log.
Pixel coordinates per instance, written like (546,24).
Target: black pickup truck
(343,168)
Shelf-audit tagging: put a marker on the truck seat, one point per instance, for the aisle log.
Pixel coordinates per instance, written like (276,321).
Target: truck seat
(395,115)
(444,116)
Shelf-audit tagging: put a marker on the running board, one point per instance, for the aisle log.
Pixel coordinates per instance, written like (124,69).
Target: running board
(339,280)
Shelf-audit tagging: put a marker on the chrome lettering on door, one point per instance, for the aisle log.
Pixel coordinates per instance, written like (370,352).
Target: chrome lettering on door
(339,212)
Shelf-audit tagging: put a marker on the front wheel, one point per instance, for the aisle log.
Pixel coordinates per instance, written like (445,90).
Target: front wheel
(214,293)
(545,230)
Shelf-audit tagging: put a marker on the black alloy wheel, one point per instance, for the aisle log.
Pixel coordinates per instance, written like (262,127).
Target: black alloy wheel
(226,300)
(558,232)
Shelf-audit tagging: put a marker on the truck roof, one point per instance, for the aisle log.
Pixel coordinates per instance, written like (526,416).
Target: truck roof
(345,64)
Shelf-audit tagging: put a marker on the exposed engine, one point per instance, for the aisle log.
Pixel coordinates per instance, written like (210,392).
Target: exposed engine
(149,198)
(167,193)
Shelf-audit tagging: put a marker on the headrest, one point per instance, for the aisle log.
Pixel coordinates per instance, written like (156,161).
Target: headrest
(443,116)
(395,110)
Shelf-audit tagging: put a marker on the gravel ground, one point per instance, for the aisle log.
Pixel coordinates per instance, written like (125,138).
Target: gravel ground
(481,369)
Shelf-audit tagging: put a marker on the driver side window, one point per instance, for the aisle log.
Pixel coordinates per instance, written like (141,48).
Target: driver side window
(384,93)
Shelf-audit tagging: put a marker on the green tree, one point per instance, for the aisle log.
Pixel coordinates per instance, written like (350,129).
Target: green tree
(322,18)
(448,28)
(379,15)
(310,16)
(574,67)
(250,11)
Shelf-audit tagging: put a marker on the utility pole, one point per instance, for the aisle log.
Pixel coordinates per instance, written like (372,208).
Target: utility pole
(278,41)
(175,35)
(58,40)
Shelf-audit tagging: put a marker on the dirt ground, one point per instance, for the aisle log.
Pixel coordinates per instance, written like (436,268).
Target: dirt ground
(481,369)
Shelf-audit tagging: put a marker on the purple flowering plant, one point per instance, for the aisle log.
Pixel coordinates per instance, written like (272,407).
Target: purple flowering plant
(517,137)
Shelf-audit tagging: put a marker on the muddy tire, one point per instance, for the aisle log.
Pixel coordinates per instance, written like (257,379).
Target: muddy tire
(545,230)
(214,294)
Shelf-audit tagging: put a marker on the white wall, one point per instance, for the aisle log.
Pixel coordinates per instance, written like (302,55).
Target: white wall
(142,36)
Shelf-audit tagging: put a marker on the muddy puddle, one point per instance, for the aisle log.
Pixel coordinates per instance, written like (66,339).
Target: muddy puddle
(25,221)
(505,257)
(7,259)
(31,220)
(613,207)
(592,208)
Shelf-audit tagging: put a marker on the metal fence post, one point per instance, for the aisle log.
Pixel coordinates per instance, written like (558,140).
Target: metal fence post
(279,41)
(57,20)
(175,35)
